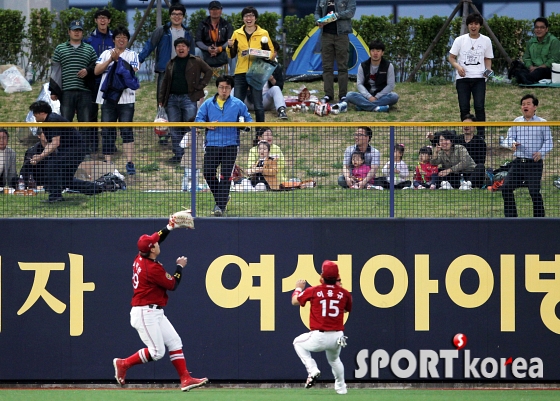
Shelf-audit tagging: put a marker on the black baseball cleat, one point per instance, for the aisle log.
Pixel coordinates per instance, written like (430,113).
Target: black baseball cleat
(310,382)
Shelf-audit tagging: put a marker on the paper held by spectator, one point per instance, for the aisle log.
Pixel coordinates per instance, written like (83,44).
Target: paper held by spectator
(256,53)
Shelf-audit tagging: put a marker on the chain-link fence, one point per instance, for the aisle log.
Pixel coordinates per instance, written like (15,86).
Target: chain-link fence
(298,170)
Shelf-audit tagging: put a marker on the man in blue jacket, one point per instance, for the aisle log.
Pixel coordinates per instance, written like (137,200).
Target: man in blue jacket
(162,40)
(221,143)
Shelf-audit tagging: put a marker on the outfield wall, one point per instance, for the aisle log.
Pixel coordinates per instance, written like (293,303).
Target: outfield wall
(66,288)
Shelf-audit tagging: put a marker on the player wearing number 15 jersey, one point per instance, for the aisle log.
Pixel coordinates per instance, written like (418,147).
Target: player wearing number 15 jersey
(150,283)
(329,301)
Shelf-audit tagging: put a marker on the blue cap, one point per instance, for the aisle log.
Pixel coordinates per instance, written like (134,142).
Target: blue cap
(76,24)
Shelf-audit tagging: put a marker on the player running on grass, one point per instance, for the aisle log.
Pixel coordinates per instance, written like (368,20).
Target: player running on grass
(151,282)
(329,301)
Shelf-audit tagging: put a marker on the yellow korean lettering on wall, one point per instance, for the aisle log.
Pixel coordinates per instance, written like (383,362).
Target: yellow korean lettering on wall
(245,290)
(453,281)
(423,287)
(77,289)
(367,281)
(544,276)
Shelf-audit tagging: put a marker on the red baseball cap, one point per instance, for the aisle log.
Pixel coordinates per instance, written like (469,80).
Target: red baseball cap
(147,242)
(329,270)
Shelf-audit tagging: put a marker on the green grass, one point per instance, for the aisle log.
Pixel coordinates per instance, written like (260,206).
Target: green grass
(280,394)
(311,153)
(418,102)
(324,201)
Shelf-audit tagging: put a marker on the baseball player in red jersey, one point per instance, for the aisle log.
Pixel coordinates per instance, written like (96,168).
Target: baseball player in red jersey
(329,301)
(151,282)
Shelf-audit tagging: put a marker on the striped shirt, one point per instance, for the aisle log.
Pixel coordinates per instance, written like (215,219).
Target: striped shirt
(128,95)
(72,60)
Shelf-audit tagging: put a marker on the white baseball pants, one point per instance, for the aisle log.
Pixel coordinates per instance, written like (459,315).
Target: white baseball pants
(317,341)
(155,330)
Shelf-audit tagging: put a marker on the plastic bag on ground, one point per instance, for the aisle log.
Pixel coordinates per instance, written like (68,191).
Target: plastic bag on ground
(12,81)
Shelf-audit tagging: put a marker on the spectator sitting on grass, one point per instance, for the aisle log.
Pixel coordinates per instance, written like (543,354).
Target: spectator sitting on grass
(265,169)
(376,81)
(426,174)
(454,160)
(542,50)
(265,134)
(360,170)
(362,137)
(400,171)
(473,142)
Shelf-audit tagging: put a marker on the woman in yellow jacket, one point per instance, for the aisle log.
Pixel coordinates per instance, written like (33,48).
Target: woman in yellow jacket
(248,36)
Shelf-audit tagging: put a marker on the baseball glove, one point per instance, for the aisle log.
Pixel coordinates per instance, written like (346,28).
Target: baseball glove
(182,219)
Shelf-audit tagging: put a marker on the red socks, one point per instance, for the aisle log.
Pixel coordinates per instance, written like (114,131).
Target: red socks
(178,360)
(142,356)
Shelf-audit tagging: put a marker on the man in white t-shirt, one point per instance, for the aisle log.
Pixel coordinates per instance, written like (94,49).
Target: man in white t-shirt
(121,109)
(471,55)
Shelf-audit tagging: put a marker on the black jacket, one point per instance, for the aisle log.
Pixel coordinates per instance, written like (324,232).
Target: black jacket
(203,41)
(380,79)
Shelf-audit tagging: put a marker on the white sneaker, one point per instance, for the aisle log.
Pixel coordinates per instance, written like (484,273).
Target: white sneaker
(340,390)
(465,186)
(445,185)
(378,187)
(341,107)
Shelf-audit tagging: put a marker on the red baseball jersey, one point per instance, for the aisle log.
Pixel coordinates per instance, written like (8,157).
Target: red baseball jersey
(150,282)
(328,304)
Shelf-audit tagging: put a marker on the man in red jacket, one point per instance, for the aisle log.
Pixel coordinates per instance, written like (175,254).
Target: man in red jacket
(150,283)
(329,302)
